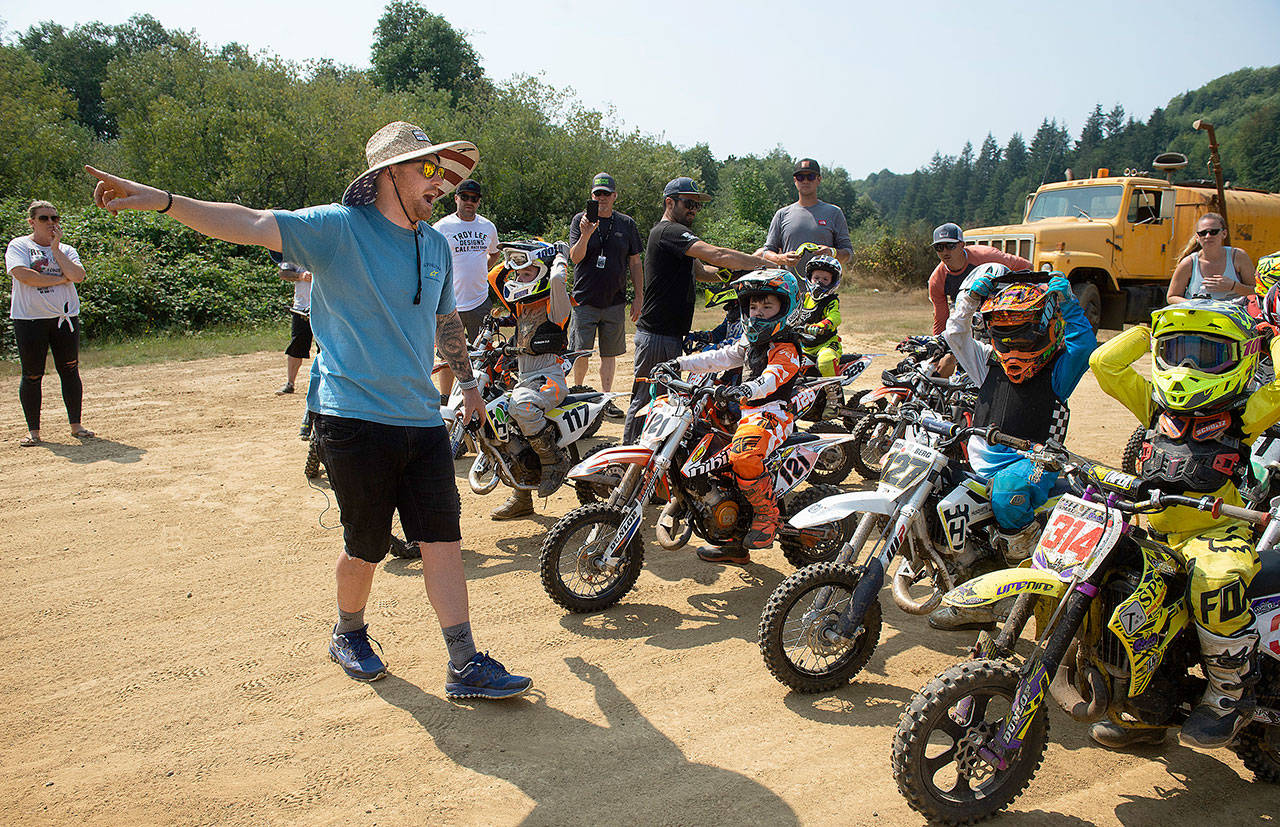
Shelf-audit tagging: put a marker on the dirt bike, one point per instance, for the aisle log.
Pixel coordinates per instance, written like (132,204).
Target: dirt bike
(822,624)
(592,556)
(503,453)
(1114,635)
(914,378)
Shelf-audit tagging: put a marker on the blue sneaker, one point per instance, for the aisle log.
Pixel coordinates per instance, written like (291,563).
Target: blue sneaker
(351,651)
(483,677)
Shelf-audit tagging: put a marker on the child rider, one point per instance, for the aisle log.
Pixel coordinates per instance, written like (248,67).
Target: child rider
(531,286)
(1040,346)
(818,319)
(771,355)
(1202,417)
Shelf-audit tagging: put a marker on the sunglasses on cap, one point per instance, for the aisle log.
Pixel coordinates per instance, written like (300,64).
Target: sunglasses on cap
(945,246)
(469,196)
(1208,232)
(48,218)
(1208,354)
(805,176)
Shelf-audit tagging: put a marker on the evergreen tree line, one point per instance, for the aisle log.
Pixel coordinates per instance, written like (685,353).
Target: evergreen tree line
(221,123)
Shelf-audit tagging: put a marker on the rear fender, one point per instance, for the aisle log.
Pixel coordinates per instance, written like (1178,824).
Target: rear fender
(831,509)
(997,585)
(621,455)
(887,393)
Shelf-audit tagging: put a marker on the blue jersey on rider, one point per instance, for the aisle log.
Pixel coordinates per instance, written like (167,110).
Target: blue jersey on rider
(1041,341)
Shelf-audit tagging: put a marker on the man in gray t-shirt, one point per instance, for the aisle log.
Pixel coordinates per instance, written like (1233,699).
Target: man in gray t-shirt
(807,220)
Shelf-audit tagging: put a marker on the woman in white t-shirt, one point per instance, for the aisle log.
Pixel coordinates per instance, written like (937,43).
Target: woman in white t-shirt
(45,310)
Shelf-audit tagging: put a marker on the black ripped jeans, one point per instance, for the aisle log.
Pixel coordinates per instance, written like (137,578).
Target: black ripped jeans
(36,337)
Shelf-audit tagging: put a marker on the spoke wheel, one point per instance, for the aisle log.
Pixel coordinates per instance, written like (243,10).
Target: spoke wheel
(872,438)
(819,544)
(797,629)
(574,573)
(835,463)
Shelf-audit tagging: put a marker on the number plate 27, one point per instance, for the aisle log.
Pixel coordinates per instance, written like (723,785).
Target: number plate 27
(906,464)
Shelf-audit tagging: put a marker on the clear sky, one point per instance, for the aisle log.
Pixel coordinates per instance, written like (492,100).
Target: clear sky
(863,85)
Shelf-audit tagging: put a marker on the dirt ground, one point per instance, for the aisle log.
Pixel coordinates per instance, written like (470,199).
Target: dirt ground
(170,595)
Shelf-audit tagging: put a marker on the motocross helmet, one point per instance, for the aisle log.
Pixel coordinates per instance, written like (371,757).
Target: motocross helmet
(1204,353)
(767,282)
(1268,273)
(517,255)
(828,263)
(1269,306)
(1026,328)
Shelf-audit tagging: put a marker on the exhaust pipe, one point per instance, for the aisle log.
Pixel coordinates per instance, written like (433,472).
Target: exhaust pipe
(668,516)
(1065,691)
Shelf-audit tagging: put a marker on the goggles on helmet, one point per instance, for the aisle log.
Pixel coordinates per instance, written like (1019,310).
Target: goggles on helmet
(518,259)
(1197,351)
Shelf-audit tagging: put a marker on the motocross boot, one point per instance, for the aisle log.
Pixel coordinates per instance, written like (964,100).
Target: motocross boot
(1018,546)
(555,462)
(959,619)
(519,504)
(1230,664)
(1123,736)
(764,510)
(734,554)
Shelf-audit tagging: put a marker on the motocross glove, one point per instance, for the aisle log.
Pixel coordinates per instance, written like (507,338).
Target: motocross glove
(666,370)
(731,393)
(562,249)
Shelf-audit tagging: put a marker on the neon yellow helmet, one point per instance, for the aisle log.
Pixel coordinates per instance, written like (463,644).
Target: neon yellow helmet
(1204,354)
(1268,273)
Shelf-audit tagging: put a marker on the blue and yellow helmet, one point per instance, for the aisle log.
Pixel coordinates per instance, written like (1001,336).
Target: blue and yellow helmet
(767,282)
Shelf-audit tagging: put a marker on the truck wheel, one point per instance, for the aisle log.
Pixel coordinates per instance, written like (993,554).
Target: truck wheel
(1090,301)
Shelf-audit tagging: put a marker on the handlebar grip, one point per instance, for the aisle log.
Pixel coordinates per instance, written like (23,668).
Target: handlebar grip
(994,436)
(1246,514)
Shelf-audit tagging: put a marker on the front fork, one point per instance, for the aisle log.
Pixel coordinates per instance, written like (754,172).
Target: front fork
(872,579)
(1034,685)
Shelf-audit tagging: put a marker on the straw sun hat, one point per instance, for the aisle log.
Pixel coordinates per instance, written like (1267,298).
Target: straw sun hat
(398,142)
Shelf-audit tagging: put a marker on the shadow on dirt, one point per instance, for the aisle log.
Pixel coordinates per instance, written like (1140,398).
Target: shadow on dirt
(713,616)
(578,772)
(97,449)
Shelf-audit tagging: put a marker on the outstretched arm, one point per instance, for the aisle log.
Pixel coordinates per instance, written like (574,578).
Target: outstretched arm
(228,222)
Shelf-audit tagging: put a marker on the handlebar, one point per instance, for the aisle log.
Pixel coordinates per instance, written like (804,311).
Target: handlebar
(1025,277)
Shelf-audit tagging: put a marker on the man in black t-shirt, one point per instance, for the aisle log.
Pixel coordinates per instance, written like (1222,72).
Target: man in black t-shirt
(603,252)
(674,259)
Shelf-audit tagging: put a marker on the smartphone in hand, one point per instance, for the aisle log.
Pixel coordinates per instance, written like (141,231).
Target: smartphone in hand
(593,211)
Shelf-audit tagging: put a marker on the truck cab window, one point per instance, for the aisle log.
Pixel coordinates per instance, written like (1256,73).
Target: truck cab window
(1144,207)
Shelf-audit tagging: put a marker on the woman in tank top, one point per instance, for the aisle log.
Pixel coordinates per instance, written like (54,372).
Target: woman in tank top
(1209,266)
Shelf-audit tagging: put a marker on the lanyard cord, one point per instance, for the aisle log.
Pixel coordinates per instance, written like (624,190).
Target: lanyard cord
(417,249)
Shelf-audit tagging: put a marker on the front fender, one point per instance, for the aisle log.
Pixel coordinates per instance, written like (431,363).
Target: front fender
(997,585)
(838,507)
(621,455)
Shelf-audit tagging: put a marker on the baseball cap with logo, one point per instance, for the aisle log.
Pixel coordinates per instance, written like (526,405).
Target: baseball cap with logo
(684,186)
(807,165)
(948,233)
(603,181)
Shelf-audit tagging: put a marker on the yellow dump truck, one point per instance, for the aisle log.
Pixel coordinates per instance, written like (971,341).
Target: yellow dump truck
(1117,237)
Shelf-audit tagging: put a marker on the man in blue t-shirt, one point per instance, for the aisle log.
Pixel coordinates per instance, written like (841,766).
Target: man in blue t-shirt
(381,303)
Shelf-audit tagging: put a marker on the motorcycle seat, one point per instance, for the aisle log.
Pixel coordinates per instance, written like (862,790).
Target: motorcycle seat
(799,438)
(574,398)
(1267,581)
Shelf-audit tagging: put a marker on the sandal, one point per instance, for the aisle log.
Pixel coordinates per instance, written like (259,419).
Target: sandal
(29,441)
(83,433)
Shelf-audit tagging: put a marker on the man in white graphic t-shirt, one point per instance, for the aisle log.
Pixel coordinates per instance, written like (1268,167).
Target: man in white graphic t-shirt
(474,242)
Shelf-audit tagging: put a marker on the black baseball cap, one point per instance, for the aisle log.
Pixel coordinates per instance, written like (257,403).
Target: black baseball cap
(807,165)
(469,185)
(603,181)
(948,234)
(684,186)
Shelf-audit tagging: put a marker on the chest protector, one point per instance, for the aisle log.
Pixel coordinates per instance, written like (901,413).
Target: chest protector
(758,360)
(1027,410)
(813,311)
(1197,454)
(547,337)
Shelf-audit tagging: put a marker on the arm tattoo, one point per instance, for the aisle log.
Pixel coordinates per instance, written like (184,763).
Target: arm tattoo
(451,341)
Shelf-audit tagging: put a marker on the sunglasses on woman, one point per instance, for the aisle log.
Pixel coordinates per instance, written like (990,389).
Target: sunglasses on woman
(1208,232)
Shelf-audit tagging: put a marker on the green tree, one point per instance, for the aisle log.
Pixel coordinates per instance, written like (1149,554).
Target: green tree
(411,46)
(43,144)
